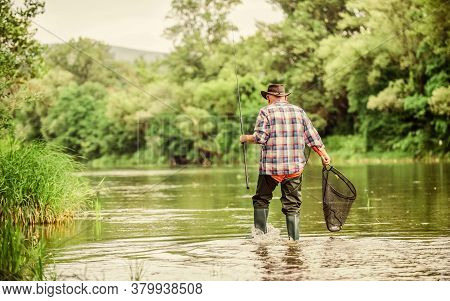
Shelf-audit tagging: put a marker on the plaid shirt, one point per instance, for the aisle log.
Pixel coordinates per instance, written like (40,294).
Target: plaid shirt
(282,129)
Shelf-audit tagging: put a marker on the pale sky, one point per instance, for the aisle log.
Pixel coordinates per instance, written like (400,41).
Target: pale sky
(133,23)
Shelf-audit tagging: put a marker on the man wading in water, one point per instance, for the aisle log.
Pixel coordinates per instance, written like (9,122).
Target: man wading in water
(282,129)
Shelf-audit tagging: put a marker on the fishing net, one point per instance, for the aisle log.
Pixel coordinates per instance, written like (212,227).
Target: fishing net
(338,194)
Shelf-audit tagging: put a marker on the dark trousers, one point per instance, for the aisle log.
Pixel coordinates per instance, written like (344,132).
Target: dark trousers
(291,197)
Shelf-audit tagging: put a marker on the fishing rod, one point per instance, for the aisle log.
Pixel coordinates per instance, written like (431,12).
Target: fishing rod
(244,145)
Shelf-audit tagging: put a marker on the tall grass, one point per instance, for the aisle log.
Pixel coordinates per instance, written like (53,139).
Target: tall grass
(137,271)
(38,183)
(21,258)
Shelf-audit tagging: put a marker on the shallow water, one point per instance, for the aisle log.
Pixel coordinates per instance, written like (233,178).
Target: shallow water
(196,224)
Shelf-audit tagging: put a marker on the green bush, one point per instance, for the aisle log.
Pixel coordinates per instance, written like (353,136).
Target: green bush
(346,146)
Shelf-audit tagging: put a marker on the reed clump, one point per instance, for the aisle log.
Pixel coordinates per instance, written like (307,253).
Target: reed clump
(21,258)
(39,184)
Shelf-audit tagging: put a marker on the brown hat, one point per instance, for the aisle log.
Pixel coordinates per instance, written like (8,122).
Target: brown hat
(275,89)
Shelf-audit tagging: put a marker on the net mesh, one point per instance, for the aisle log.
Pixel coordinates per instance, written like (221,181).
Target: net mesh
(338,194)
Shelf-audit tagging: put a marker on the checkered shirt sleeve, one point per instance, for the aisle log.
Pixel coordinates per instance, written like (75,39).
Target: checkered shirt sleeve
(262,128)
(310,135)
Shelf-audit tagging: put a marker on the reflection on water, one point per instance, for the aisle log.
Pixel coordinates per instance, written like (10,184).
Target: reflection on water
(196,224)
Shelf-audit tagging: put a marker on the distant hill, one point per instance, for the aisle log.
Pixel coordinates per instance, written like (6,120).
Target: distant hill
(129,54)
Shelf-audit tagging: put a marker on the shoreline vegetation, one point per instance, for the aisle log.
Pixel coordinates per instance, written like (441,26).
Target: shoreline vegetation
(341,154)
(38,185)
(337,159)
(23,256)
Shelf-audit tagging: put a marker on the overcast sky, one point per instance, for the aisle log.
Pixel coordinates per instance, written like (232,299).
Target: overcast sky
(133,23)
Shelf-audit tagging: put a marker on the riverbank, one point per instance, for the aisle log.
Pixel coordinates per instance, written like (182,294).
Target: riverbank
(339,157)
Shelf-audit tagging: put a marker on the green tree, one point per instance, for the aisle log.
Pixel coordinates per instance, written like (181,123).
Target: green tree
(293,45)
(133,113)
(200,31)
(38,96)
(86,59)
(388,69)
(19,53)
(77,120)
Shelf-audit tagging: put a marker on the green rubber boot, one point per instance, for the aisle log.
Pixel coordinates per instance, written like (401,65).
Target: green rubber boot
(292,222)
(260,218)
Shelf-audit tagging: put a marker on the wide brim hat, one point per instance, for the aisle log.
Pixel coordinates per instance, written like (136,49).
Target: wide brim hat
(275,89)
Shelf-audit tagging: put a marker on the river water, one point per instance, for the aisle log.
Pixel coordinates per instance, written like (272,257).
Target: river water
(196,224)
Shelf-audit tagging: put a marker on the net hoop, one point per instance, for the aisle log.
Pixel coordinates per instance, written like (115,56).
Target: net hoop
(344,179)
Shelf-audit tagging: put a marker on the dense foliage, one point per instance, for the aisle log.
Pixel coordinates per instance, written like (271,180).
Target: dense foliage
(372,75)
(19,54)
